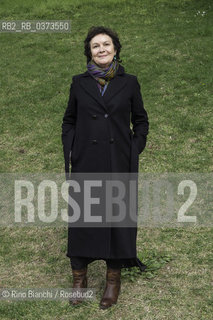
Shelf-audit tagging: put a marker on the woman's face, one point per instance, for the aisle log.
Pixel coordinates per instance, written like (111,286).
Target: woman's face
(102,50)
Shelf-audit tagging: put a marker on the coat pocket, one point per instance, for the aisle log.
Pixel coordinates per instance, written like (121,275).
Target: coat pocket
(74,151)
(136,146)
(79,150)
(67,140)
(134,158)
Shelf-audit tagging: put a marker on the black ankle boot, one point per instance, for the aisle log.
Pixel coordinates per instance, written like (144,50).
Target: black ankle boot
(79,282)
(112,289)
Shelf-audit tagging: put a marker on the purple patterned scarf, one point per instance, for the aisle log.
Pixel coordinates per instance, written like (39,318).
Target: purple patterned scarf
(102,75)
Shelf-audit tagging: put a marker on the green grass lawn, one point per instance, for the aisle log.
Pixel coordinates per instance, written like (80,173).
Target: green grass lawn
(168,45)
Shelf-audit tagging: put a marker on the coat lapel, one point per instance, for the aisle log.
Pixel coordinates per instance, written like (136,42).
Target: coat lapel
(114,87)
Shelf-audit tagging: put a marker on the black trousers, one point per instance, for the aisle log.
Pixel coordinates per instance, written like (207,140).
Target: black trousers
(82,262)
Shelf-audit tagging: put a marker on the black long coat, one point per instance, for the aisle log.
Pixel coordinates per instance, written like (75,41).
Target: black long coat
(96,132)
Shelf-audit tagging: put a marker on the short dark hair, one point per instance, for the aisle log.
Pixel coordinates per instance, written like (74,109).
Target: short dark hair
(94,31)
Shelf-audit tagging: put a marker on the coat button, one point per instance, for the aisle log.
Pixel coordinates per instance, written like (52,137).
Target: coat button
(111,140)
(94,116)
(106,115)
(94,141)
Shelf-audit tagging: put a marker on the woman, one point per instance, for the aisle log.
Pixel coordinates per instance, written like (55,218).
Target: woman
(96,130)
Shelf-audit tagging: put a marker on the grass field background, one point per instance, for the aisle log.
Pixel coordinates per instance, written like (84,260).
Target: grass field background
(168,46)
